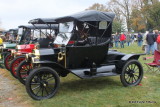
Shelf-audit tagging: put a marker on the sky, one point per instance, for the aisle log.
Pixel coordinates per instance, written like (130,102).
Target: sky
(18,12)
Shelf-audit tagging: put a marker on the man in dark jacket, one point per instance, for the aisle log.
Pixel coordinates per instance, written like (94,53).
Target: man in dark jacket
(155,36)
(150,41)
(139,40)
(116,39)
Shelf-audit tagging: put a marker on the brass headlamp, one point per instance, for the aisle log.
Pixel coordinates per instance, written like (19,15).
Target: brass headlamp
(62,55)
(13,52)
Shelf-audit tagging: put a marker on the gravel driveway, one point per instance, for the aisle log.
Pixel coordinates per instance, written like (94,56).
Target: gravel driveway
(8,92)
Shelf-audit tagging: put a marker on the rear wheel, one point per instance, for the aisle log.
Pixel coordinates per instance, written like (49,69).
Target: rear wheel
(14,64)
(42,83)
(23,71)
(132,73)
(7,61)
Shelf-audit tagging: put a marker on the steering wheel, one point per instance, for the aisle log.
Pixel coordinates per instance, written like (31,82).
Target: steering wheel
(85,37)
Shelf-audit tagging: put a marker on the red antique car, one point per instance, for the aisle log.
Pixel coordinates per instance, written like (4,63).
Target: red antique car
(42,35)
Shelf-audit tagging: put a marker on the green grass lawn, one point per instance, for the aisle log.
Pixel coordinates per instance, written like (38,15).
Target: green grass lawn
(102,92)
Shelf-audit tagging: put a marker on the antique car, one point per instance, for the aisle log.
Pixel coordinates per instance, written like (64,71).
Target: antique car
(42,35)
(88,56)
(23,69)
(11,35)
(9,44)
(8,48)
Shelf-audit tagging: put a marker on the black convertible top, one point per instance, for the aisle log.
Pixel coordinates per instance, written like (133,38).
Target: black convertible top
(43,21)
(13,29)
(41,26)
(88,15)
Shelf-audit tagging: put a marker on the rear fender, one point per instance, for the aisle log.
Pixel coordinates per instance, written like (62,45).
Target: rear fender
(119,64)
(130,56)
(59,68)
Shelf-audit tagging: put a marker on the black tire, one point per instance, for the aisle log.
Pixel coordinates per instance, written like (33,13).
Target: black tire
(7,60)
(14,64)
(132,73)
(3,55)
(38,83)
(23,71)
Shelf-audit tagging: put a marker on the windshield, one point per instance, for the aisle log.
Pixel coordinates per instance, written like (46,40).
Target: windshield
(65,27)
(43,33)
(20,31)
(62,38)
(23,34)
(64,34)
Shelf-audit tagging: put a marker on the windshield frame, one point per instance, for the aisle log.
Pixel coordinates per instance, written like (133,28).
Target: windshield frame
(70,26)
(63,37)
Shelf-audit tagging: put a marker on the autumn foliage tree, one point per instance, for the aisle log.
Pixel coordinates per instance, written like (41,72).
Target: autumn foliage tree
(137,15)
(97,6)
(152,14)
(145,15)
(117,23)
(123,7)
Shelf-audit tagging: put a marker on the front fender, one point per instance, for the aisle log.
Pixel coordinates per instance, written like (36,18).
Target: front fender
(130,56)
(54,65)
(119,64)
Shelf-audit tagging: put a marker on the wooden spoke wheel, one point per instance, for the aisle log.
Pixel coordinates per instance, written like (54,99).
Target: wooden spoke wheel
(132,73)
(14,64)
(7,61)
(42,83)
(23,71)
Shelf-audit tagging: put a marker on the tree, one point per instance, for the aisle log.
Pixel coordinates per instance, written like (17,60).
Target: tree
(117,27)
(97,6)
(138,21)
(153,15)
(145,15)
(117,23)
(124,8)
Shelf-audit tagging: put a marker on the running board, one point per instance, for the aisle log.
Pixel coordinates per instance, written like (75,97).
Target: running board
(101,72)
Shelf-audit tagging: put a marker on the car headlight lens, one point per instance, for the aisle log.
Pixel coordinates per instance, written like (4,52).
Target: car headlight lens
(35,56)
(18,47)
(29,56)
(4,45)
(37,53)
(13,52)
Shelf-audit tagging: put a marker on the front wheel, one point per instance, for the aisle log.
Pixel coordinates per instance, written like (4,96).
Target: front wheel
(14,64)
(7,61)
(23,71)
(42,83)
(132,73)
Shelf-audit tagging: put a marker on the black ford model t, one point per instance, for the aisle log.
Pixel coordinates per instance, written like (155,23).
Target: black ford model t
(87,57)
